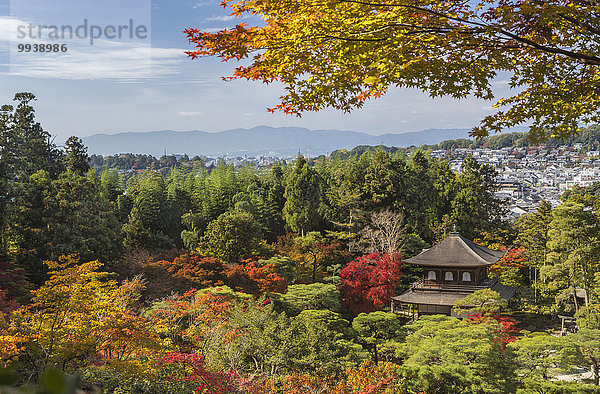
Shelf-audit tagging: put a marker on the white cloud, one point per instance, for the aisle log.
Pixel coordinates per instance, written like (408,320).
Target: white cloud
(107,60)
(196,81)
(189,113)
(213,29)
(221,18)
(126,61)
(200,4)
(8,28)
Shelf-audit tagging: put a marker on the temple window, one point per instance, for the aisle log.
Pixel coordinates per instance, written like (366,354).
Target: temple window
(431,275)
(466,277)
(449,276)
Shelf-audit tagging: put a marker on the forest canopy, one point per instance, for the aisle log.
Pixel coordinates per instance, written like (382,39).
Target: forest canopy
(243,279)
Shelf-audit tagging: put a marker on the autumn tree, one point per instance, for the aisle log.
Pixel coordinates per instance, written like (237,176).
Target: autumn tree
(195,321)
(313,244)
(283,266)
(411,379)
(78,317)
(13,282)
(368,282)
(176,271)
(191,369)
(340,54)
(509,268)
(254,277)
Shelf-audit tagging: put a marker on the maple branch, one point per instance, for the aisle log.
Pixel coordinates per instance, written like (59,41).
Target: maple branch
(589,59)
(587,27)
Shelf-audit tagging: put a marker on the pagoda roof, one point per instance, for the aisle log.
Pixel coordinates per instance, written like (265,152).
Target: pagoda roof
(456,251)
(448,298)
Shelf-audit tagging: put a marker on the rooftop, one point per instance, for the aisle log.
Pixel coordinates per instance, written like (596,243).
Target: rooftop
(456,251)
(447,295)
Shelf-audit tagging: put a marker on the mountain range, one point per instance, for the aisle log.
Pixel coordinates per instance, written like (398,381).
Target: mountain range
(261,140)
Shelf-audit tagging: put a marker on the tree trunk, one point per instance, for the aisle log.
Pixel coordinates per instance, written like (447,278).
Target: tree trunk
(585,288)
(375,354)
(535,284)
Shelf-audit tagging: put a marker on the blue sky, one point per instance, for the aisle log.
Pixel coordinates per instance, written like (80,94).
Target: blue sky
(150,84)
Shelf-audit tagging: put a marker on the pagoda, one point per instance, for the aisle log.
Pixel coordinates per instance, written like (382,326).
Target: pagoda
(452,270)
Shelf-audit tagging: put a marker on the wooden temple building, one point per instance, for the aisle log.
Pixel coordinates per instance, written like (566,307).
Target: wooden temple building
(452,270)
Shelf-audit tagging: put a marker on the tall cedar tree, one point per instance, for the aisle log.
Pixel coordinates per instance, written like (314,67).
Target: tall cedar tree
(303,198)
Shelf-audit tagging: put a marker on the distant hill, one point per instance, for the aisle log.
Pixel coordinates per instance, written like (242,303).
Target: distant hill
(261,140)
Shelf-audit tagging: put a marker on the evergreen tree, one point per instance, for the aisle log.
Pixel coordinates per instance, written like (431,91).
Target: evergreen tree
(76,159)
(533,235)
(111,185)
(573,254)
(383,181)
(28,161)
(420,196)
(79,220)
(149,226)
(232,237)
(445,189)
(474,207)
(302,193)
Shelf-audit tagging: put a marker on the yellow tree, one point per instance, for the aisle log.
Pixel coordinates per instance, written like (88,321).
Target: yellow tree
(340,53)
(77,317)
